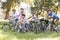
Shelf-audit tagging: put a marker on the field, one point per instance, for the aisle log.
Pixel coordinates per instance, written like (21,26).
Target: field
(11,35)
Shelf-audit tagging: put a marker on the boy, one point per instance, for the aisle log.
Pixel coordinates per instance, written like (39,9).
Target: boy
(24,23)
(21,12)
(54,17)
(15,18)
(33,21)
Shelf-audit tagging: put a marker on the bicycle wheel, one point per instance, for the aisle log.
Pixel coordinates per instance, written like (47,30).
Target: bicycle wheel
(37,28)
(58,29)
(5,27)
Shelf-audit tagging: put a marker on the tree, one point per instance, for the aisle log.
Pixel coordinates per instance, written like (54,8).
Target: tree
(7,6)
(44,3)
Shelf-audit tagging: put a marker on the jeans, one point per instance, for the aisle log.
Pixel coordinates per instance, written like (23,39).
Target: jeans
(14,24)
(26,25)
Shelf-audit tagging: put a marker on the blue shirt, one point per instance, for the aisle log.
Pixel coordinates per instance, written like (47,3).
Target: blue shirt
(55,16)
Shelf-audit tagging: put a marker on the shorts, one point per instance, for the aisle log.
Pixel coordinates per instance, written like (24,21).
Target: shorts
(54,19)
(46,21)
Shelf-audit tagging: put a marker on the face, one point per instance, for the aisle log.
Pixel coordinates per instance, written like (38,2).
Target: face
(49,11)
(23,16)
(43,10)
(14,11)
(22,10)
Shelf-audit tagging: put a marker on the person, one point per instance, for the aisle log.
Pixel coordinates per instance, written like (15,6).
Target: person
(33,17)
(43,17)
(33,20)
(15,18)
(24,23)
(54,16)
(21,12)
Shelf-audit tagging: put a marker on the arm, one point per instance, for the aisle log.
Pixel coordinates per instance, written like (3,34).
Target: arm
(49,17)
(30,17)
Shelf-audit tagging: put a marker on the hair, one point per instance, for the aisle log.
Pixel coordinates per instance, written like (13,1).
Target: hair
(13,10)
(22,9)
(23,14)
(49,9)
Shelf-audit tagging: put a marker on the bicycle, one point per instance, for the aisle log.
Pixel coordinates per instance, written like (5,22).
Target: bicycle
(20,27)
(37,26)
(8,25)
(51,27)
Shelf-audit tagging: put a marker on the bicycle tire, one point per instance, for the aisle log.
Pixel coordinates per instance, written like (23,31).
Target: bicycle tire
(6,27)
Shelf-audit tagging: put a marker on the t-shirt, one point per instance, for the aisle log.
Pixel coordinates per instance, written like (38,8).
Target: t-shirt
(43,15)
(55,16)
(20,15)
(15,16)
(24,20)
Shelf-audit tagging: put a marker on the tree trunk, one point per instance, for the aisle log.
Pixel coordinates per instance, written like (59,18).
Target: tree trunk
(7,14)
(8,9)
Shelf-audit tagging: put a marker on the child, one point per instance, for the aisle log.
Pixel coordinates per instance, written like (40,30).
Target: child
(52,15)
(24,23)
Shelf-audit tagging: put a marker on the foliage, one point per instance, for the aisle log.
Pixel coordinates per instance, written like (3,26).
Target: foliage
(45,3)
(38,4)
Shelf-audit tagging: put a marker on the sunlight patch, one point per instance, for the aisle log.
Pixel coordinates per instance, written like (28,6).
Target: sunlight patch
(47,39)
(2,36)
(15,38)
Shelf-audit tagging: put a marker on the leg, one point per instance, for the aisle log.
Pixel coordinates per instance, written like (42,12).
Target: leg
(14,24)
(55,25)
(27,26)
(23,28)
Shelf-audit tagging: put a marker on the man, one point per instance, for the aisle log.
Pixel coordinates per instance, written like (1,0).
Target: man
(33,20)
(54,16)
(43,17)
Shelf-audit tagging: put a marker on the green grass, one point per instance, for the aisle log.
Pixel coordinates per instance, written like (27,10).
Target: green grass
(10,35)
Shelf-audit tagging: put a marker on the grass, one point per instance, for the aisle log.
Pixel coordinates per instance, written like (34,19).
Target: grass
(10,35)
